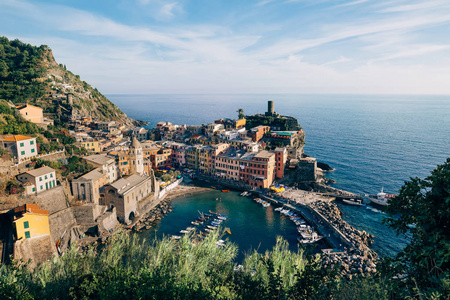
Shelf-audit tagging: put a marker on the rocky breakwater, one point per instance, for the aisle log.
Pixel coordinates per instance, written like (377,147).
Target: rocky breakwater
(149,219)
(358,259)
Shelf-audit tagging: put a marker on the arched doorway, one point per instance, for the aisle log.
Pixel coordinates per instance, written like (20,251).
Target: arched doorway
(131,216)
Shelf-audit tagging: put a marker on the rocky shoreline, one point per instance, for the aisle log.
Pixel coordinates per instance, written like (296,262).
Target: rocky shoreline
(358,259)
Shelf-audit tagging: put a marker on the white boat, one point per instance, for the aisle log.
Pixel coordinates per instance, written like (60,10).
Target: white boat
(279,208)
(176,237)
(265,204)
(381,198)
(353,201)
(184,231)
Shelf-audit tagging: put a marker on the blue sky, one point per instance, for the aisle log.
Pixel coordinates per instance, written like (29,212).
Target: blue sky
(266,46)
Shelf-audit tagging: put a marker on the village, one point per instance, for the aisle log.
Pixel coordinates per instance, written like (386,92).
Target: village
(131,170)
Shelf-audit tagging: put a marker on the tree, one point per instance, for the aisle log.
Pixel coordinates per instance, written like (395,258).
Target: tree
(240,112)
(422,209)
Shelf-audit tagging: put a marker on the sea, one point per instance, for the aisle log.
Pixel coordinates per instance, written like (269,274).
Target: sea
(371,141)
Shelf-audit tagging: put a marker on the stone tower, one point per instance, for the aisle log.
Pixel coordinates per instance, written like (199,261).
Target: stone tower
(271,109)
(138,156)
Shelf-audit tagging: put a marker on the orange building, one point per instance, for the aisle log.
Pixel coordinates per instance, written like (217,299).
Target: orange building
(258,132)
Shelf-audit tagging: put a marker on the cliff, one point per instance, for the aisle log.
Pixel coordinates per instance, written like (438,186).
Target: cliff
(30,74)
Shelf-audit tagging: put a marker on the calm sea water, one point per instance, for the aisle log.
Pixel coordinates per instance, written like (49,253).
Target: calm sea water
(371,141)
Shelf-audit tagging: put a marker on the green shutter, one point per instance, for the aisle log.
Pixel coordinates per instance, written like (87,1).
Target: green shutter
(22,152)
(21,144)
(32,150)
(27,234)
(26,225)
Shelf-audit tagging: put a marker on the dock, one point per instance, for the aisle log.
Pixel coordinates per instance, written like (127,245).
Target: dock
(337,241)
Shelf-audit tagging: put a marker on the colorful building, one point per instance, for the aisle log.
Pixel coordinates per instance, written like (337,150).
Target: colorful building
(30,221)
(31,113)
(258,132)
(41,179)
(281,155)
(87,187)
(91,145)
(21,147)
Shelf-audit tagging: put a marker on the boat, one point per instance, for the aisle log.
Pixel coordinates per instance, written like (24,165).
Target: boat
(176,237)
(225,191)
(195,223)
(245,193)
(265,204)
(353,201)
(381,198)
(184,231)
(279,208)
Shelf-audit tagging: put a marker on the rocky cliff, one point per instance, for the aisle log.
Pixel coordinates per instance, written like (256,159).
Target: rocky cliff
(30,74)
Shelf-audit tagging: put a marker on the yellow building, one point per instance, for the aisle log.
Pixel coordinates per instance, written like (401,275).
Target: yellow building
(31,113)
(30,221)
(240,123)
(91,145)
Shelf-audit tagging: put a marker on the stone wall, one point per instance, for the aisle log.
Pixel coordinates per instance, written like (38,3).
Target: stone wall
(52,200)
(88,213)
(38,249)
(107,221)
(60,222)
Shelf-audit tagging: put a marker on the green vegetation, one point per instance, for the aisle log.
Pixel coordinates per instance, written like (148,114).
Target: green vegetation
(284,123)
(422,209)
(75,166)
(19,70)
(14,123)
(127,268)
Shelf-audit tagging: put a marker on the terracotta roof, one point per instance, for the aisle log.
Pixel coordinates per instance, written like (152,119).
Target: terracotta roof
(30,208)
(16,138)
(24,106)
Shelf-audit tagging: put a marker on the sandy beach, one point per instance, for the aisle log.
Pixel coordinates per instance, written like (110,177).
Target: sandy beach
(184,190)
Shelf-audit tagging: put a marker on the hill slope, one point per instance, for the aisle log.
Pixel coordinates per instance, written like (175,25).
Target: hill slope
(30,74)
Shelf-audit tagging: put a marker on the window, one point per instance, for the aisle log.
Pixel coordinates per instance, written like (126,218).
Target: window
(27,234)
(45,176)
(32,150)
(42,187)
(34,189)
(40,178)
(31,142)
(21,144)
(26,225)
(22,152)
(51,175)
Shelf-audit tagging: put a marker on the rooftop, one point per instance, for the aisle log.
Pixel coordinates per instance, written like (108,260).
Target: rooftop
(125,184)
(101,159)
(41,171)
(16,138)
(264,154)
(92,175)
(30,208)
(27,105)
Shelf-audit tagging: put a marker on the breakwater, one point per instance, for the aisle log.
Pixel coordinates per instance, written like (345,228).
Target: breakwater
(352,255)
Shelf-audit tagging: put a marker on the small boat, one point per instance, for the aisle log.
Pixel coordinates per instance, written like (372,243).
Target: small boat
(184,231)
(279,209)
(265,204)
(211,227)
(244,194)
(208,229)
(176,237)
(353,201)
(222,217)
(195,223)
(213,213)
(190,228)
(381,198)
(225,191)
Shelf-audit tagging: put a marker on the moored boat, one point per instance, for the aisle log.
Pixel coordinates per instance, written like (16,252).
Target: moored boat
(381,198)
(353,201)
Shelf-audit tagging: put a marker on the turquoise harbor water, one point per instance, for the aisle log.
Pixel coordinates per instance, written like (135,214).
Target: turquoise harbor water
(252,226)
(371,141)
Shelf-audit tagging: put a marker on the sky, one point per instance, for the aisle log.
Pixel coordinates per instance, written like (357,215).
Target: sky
(239,46)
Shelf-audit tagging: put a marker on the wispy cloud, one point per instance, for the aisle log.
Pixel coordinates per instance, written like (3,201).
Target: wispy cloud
(306,52)
(352,3)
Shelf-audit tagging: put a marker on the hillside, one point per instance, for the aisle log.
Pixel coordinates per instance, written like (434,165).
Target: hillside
(30,74)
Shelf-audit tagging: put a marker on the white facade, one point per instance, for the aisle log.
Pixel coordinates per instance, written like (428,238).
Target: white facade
(21,147)
(43,179)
